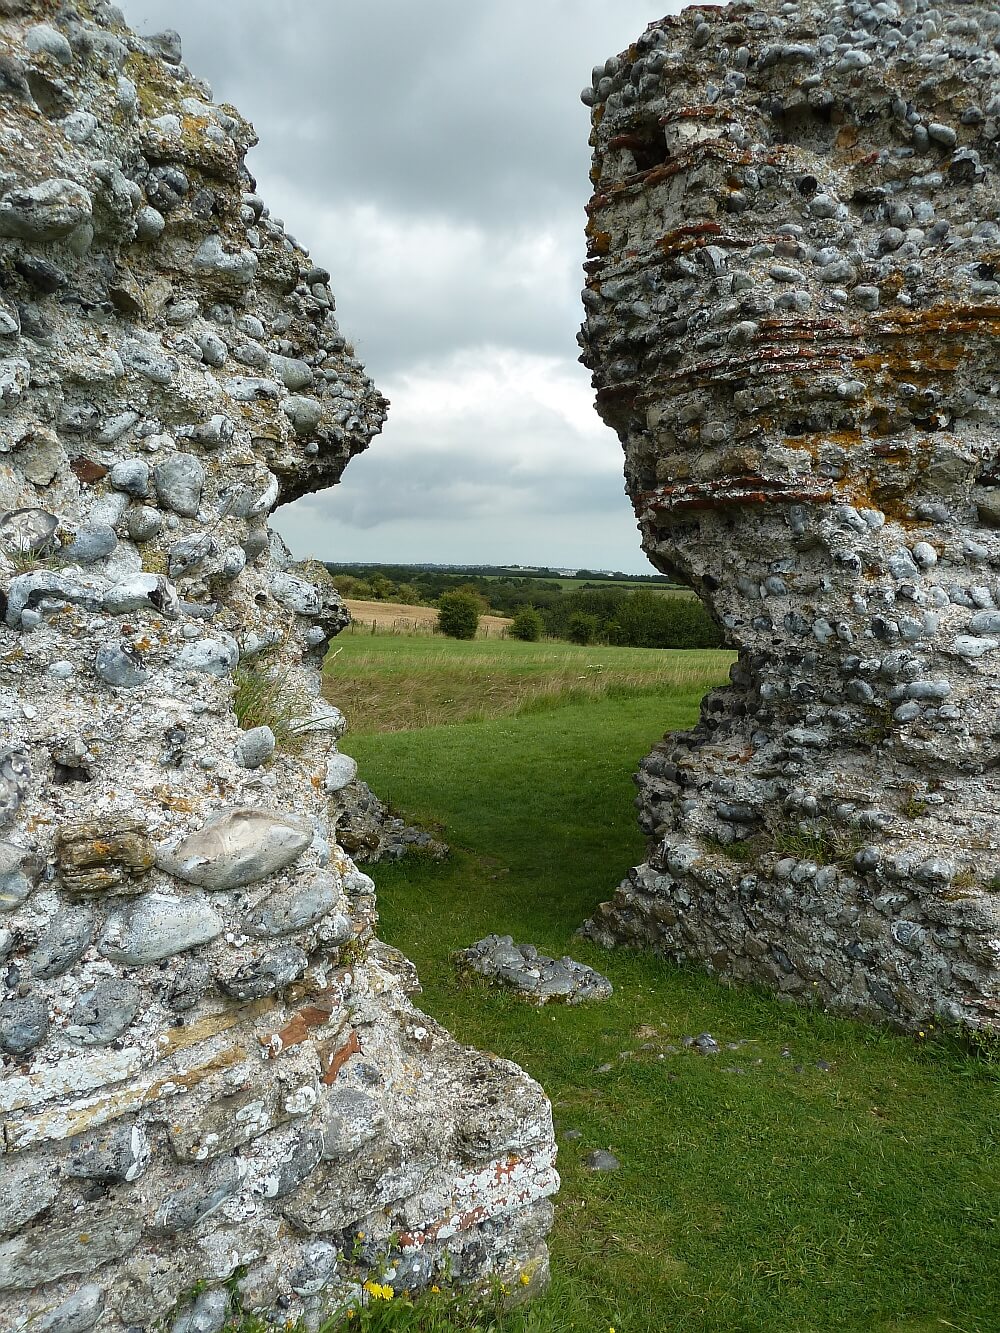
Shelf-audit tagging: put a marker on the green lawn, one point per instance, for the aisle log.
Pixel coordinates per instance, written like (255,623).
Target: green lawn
(822,1176)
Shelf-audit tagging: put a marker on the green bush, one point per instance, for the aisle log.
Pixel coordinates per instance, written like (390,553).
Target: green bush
(649,620)
(583,627)
(458,615)
(527,625)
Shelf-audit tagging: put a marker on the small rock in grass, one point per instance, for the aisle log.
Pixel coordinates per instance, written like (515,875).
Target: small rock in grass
(601,1160)
(539,979)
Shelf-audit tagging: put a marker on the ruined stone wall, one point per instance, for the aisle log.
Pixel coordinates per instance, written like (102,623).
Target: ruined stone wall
(793,319)
(211,1070)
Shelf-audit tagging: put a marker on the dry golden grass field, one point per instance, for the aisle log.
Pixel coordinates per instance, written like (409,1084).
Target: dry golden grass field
(395,616)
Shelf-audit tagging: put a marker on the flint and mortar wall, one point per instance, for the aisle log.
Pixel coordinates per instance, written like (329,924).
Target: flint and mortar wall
(211,1070)
(793,319)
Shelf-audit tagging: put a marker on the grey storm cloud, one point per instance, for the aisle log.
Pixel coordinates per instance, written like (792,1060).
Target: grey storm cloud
(434,157)
(384,490)
(442,106)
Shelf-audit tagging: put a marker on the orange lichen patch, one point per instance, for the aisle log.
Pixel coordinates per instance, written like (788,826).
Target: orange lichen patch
(923,368)
(844,439)
(598,243)
(504,1170)
(942,320)
(847,137)
(171,800)
(333,1063)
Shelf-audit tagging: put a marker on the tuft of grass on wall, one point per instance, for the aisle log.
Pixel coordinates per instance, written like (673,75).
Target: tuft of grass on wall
(264,698)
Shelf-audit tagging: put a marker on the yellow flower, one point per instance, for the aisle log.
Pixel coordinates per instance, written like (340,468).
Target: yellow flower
(524,1279)
(380,1291)
(436,1290)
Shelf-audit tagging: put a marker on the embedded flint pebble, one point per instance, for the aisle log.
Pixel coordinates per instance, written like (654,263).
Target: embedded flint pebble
(120,1152)
(791,318)
(24,531)
(27,1187)
(24,1021)
(351,1121)
(295,908)
(159,925)
(207,1313)
(44,212)
(214,657)
(66,939)
(341,770)
(118,667)
(208,1191)
(179,482)
(255,747)
(319,1259)
(104,1012)
(266,975)
(15,775)
(189,983)
(237,847)
(16,879)
(299,1161)
(91,544)
(78,1313)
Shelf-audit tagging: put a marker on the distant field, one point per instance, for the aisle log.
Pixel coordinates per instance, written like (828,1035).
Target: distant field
(399,682)
(576,585)
(579,585)
(397,617)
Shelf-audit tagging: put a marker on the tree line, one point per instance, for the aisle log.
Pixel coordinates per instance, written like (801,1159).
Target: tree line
(605,612)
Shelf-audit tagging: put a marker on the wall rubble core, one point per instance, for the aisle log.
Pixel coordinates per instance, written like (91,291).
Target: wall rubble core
(211,1071)
(793,321)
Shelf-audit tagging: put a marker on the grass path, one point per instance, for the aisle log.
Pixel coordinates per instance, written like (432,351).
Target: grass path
(823,1176)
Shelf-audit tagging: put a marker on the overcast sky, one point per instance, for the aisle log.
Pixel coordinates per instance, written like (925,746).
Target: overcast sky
(432,154)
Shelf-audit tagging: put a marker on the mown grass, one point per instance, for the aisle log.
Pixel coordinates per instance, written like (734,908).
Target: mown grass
(392,682)
(823,1176)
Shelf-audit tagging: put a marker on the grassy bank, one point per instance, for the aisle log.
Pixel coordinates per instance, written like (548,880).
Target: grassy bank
(821,1175)
(394,682)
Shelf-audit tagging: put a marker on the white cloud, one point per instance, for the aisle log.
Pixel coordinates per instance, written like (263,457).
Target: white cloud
(413,288)
(492,454)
